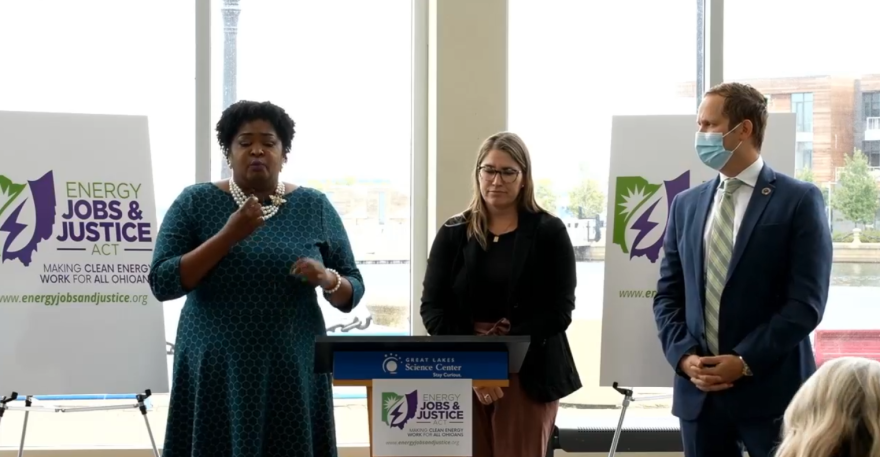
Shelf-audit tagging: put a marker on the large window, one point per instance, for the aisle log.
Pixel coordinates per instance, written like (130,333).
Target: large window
(574,64)
(105,57)
(832,69)
(342,70)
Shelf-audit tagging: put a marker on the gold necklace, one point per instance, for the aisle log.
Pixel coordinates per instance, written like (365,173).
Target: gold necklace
(506,231)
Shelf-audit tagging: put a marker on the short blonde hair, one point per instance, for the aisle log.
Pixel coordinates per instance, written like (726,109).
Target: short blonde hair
(836,412)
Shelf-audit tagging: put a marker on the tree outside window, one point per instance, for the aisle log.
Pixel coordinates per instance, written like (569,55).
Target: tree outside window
(856,195)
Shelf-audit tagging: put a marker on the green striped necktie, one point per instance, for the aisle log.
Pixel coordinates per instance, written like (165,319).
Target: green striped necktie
(719,251)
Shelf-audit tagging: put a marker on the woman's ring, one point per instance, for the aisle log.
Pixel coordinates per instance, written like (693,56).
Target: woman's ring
(485,396)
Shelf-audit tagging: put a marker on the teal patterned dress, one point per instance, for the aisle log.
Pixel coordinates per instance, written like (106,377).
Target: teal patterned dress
(243,382)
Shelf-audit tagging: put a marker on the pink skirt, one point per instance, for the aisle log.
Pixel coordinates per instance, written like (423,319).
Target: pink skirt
(515,425)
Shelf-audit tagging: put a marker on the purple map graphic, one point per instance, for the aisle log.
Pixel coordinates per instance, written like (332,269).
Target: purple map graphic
(43,193)
(644,225)
(411,406)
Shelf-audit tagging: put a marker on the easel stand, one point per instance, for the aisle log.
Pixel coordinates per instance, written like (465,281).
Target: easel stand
(28,407)
(627,399)
(3,401)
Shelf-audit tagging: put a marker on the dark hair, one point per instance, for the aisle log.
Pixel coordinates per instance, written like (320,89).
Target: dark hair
(244,111)
(743,102)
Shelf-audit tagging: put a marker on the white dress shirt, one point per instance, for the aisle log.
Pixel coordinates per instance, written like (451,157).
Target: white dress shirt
(741,198)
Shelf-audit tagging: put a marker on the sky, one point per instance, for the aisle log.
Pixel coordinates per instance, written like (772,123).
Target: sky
(342,70)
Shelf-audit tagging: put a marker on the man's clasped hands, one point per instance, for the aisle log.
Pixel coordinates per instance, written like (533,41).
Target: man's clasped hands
(712,374)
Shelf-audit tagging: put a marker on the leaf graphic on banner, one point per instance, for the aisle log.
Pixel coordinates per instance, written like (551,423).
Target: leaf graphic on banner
(389,400)
(8,192)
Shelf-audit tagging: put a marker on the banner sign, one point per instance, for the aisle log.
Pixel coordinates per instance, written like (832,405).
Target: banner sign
(77,227)
(420,365)
(415,417)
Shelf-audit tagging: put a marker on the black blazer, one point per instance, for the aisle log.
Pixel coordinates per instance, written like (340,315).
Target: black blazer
(540,300)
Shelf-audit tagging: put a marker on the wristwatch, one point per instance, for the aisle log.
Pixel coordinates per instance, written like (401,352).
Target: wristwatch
(746,370)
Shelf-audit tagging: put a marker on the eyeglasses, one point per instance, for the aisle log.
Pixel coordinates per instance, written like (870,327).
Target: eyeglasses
(508,175)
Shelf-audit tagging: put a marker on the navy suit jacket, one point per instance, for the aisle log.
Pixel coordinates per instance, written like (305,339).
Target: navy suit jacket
(777,286)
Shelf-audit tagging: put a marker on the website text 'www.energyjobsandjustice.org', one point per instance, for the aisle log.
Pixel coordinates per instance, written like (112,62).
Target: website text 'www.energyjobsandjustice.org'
(636,293)
(62,298)
(425,442)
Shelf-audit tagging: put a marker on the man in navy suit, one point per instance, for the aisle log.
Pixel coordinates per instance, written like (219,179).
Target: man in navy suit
(743,284)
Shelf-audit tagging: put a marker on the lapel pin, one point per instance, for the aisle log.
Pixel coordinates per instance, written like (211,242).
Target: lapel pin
(766,191)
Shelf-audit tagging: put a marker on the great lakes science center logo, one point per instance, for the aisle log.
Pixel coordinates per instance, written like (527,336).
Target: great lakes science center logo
(105,215)
(391,363)
(438,367)
(640,212)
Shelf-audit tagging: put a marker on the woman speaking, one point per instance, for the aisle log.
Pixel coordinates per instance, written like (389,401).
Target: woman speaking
(249,253)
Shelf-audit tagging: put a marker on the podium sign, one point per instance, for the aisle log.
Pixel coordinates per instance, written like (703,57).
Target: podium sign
(422,417)
(420,388)
(420,365)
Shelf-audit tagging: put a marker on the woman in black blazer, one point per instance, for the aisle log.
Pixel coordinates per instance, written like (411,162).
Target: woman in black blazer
(505,266)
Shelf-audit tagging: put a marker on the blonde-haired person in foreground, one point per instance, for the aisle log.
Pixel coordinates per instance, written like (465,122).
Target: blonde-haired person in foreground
(506,266)
(836,413)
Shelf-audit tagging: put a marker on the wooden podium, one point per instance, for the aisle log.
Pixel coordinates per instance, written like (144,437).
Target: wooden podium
(358,360)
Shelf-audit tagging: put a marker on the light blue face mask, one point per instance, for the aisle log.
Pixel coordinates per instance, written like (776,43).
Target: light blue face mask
(710,148)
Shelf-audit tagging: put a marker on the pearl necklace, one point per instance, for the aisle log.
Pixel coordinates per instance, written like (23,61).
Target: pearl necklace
(268,211)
